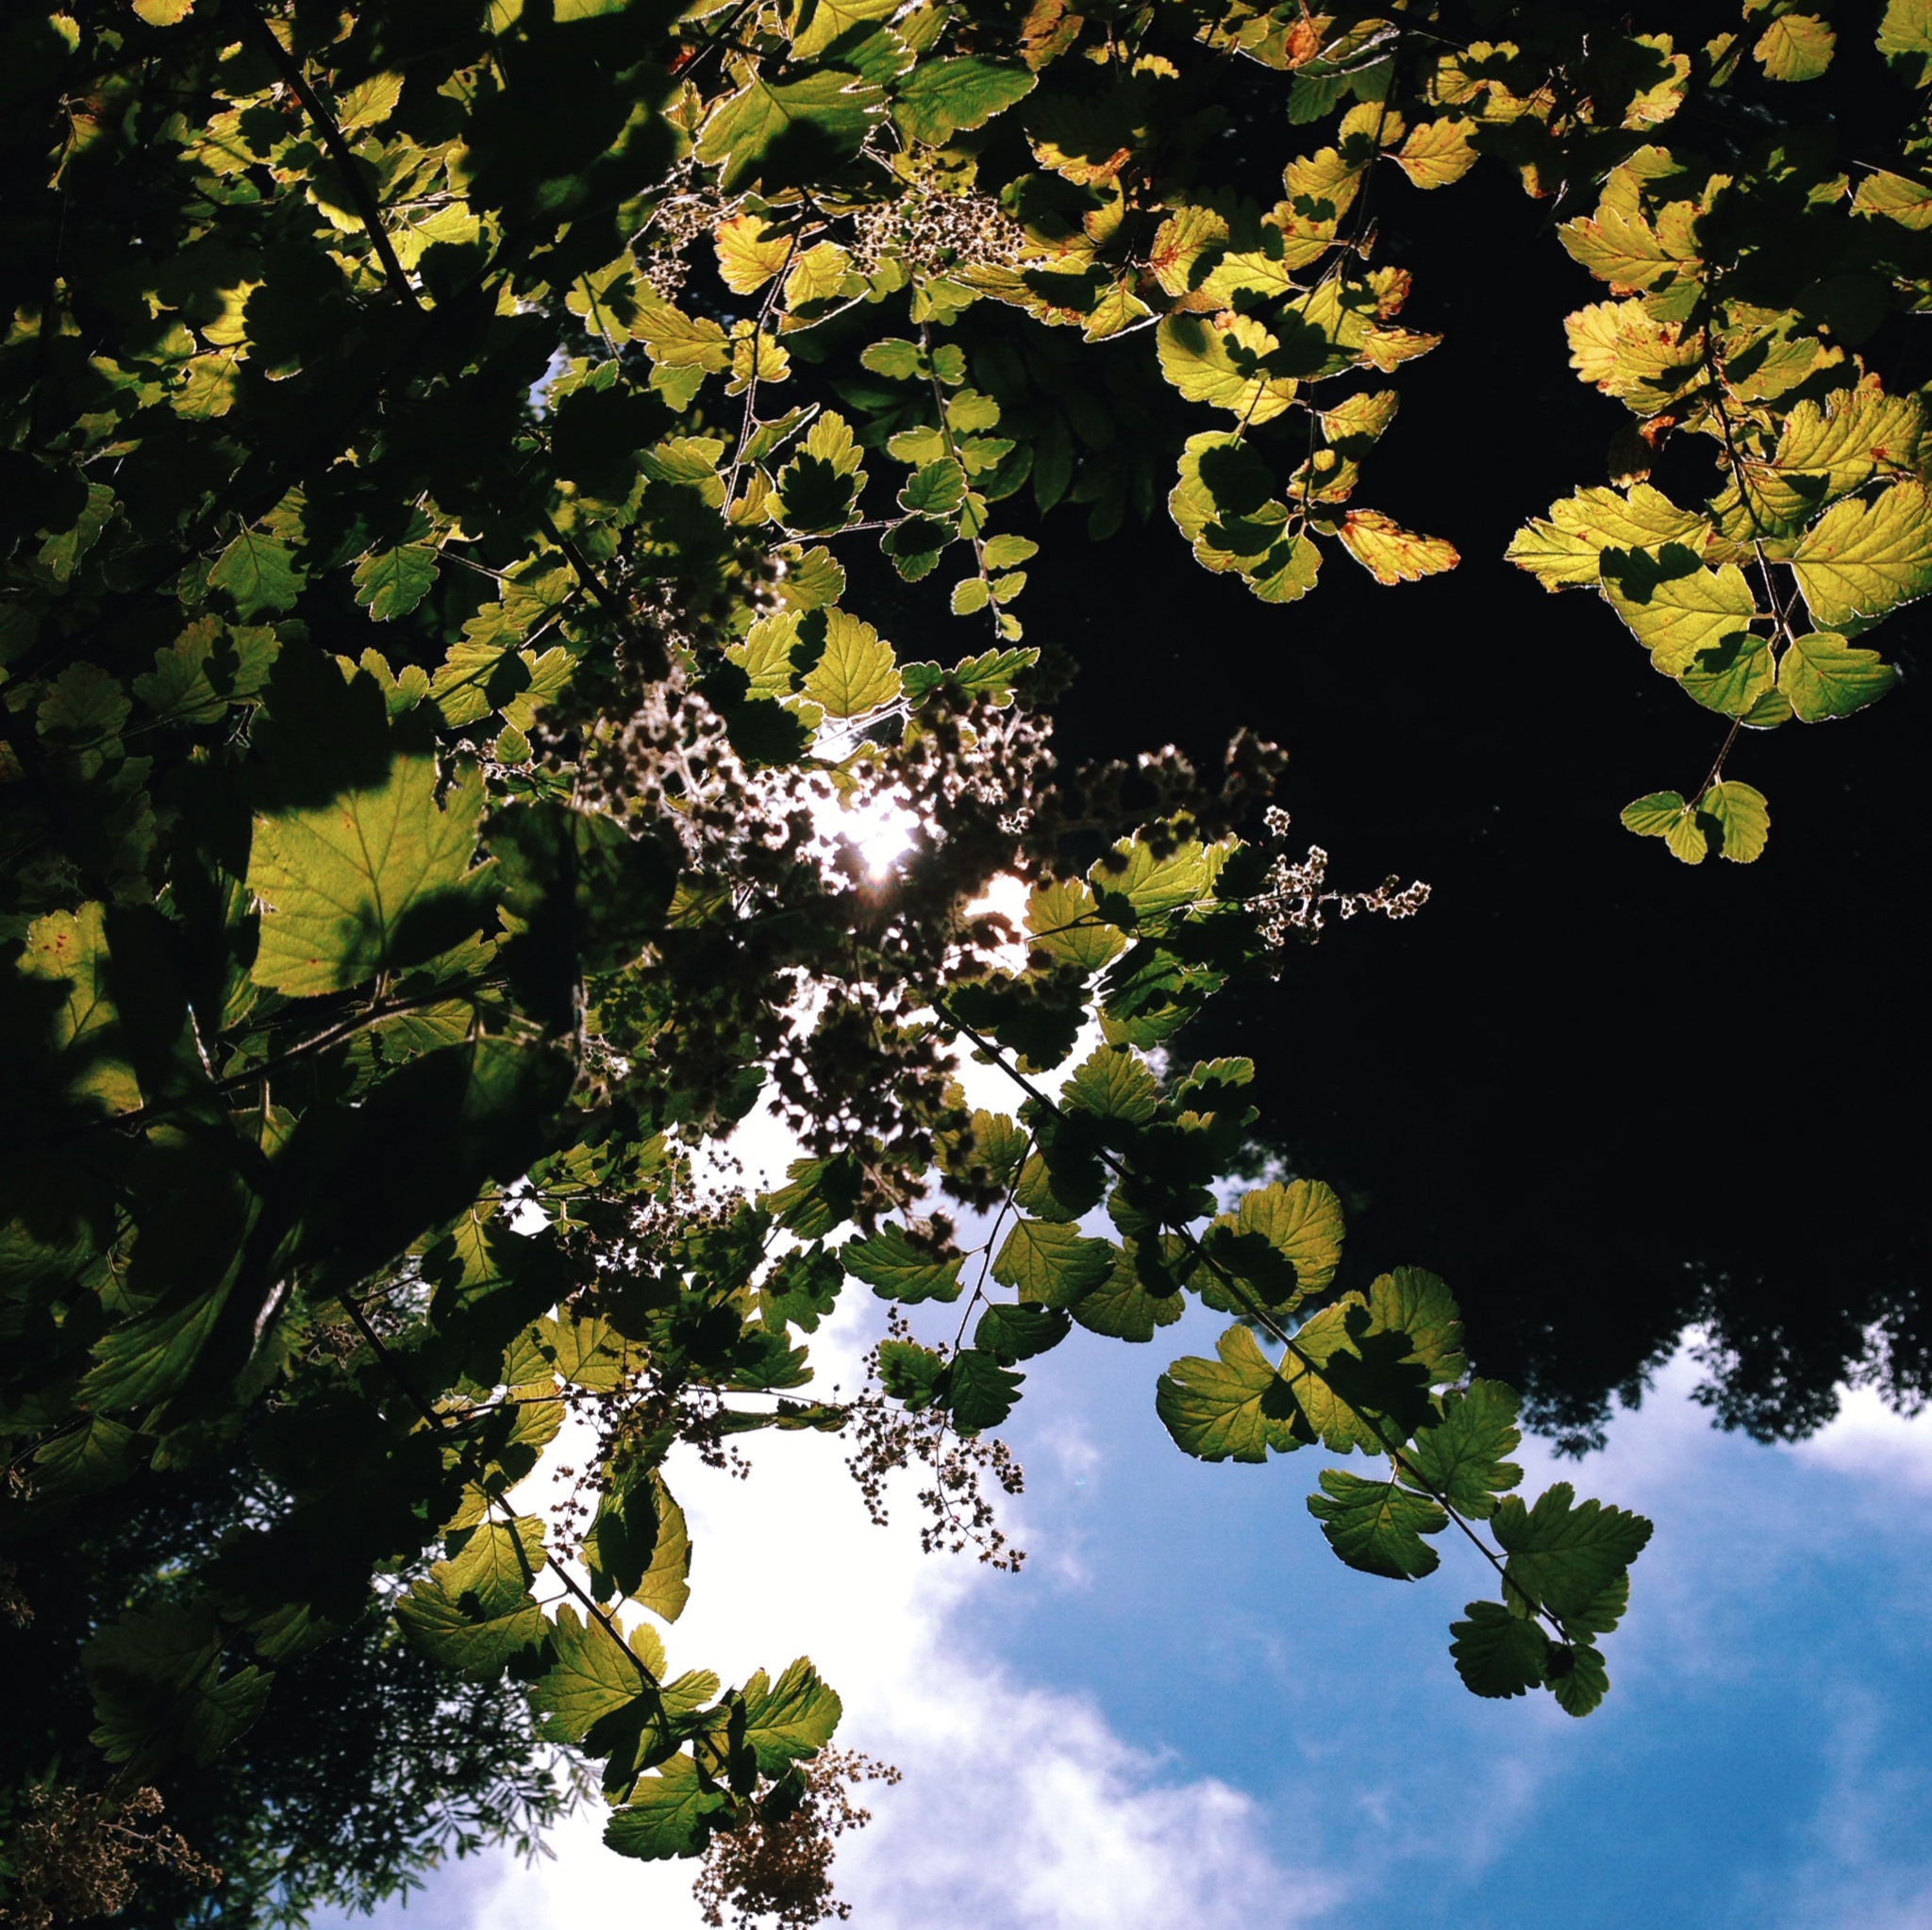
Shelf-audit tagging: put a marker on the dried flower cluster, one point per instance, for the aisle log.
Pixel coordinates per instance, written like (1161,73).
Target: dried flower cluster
(1295,891)
(78,1854)
(889,1437)
(932,230)
(777,1862)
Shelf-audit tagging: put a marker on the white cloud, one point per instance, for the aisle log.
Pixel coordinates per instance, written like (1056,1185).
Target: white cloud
(1871,1443)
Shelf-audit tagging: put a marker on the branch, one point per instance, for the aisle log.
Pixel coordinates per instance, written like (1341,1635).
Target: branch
(333,1034)
(1262,1316)
(259,30)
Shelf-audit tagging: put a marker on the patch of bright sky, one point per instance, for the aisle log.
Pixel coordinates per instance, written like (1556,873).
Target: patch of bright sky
(1186,1715)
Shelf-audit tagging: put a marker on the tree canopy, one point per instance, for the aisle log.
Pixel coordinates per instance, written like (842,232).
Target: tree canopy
(461,459)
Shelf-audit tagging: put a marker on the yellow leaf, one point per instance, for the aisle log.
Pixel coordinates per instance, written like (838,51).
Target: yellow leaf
(747,257)
(1438,153)
(1392,554)
(859,671)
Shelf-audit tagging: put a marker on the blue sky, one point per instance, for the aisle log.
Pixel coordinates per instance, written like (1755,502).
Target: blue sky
(1185,1712)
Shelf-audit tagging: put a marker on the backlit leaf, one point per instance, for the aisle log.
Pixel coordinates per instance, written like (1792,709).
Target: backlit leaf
(1233,1409)
(1392,554)
(1563,1553)
(592,1677)
(671,1813)
(980,1390)
(1824,676)
(1743,817)
(1860,560)
(375,880)
(1795,46)
(1460,1459)
(1498,1654)
(1051,1262)
(939,97)
(896,1268)
(779,133)
(1377,1526)
(790,1718)
(859,671)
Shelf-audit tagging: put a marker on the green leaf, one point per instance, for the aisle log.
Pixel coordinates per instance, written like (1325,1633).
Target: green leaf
(592,1679)
(896,1268)
(1460,1457)
(1300,1224)
(391,583)
(467,1640)
(790,1718)
(1065,923)
(587,1353)
(778,135)
(1413,1302)
(935,490)
(158,1689)
(1860,560)
(672,1813)
(1496,1652)
(375,880)
(1155,886)
(898,360)
(209,666)
(260,572)
(1897,198)
(1051,1264)
(818,488)
(989,675)
(1113,1083)
(817,1196)
(980,1392)
(1357,1386)
(1576,1672)
(1742,817)
(1824,676)
(1229,362)
(1017,1333)
(1124,1306)
(68,953)
(1234,1409)
(1566,550)
(802,1289)
(83,706)
(940,97)
(1825,450)
(1734,677)
(1377,1526)
(1392,554)
(911,1374)
(1664,814)
(818,23)
(621,1540)
(100,1454)
(1033,1018)
(1906,30)
(1563,1554)
(496,1563)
